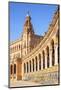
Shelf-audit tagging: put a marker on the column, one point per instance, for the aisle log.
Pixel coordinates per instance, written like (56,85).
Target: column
(50,56)
(34,65)
(37,63)
(56,53)
(26,66)
(41,61)
(29,67)
(13,72)
(23,70)
(45,59)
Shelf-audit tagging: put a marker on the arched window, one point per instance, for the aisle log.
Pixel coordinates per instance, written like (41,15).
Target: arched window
(27,67)
(14,68)
(53,53)
(36,63)
(39,61)
(30,66)
(11,69)
(43,53)
(24,68)
(33,64)
(47,49)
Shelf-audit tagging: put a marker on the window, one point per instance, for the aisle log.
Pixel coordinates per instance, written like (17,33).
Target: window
(43,53)
(39,61)
(14,68)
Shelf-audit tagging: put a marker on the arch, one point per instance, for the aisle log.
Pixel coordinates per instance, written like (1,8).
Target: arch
(47,50)
(33,64)
(43,53)
(53,52)
(36,63)
(14,68)
(39,61)
(30,65)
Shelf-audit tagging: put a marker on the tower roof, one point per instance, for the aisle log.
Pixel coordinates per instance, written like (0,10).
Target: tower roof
(27,20)
(28,23)
(28,14)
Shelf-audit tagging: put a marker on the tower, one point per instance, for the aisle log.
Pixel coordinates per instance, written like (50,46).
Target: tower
(27,36)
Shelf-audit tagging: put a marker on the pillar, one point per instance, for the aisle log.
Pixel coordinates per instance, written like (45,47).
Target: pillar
(29,67)
(38,61)
(50,56)
(56,53)
(34,65)
(45,59)
(41,61)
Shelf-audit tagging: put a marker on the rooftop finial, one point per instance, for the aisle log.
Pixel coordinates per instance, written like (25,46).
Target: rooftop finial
(28,13)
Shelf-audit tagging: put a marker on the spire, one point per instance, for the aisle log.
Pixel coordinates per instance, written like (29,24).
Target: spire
(28,25)
(28,17)
(28,14)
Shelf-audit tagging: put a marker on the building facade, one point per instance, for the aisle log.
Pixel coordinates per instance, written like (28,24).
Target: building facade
(34,57)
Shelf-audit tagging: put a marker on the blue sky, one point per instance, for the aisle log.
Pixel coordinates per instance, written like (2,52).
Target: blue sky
(41,17)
